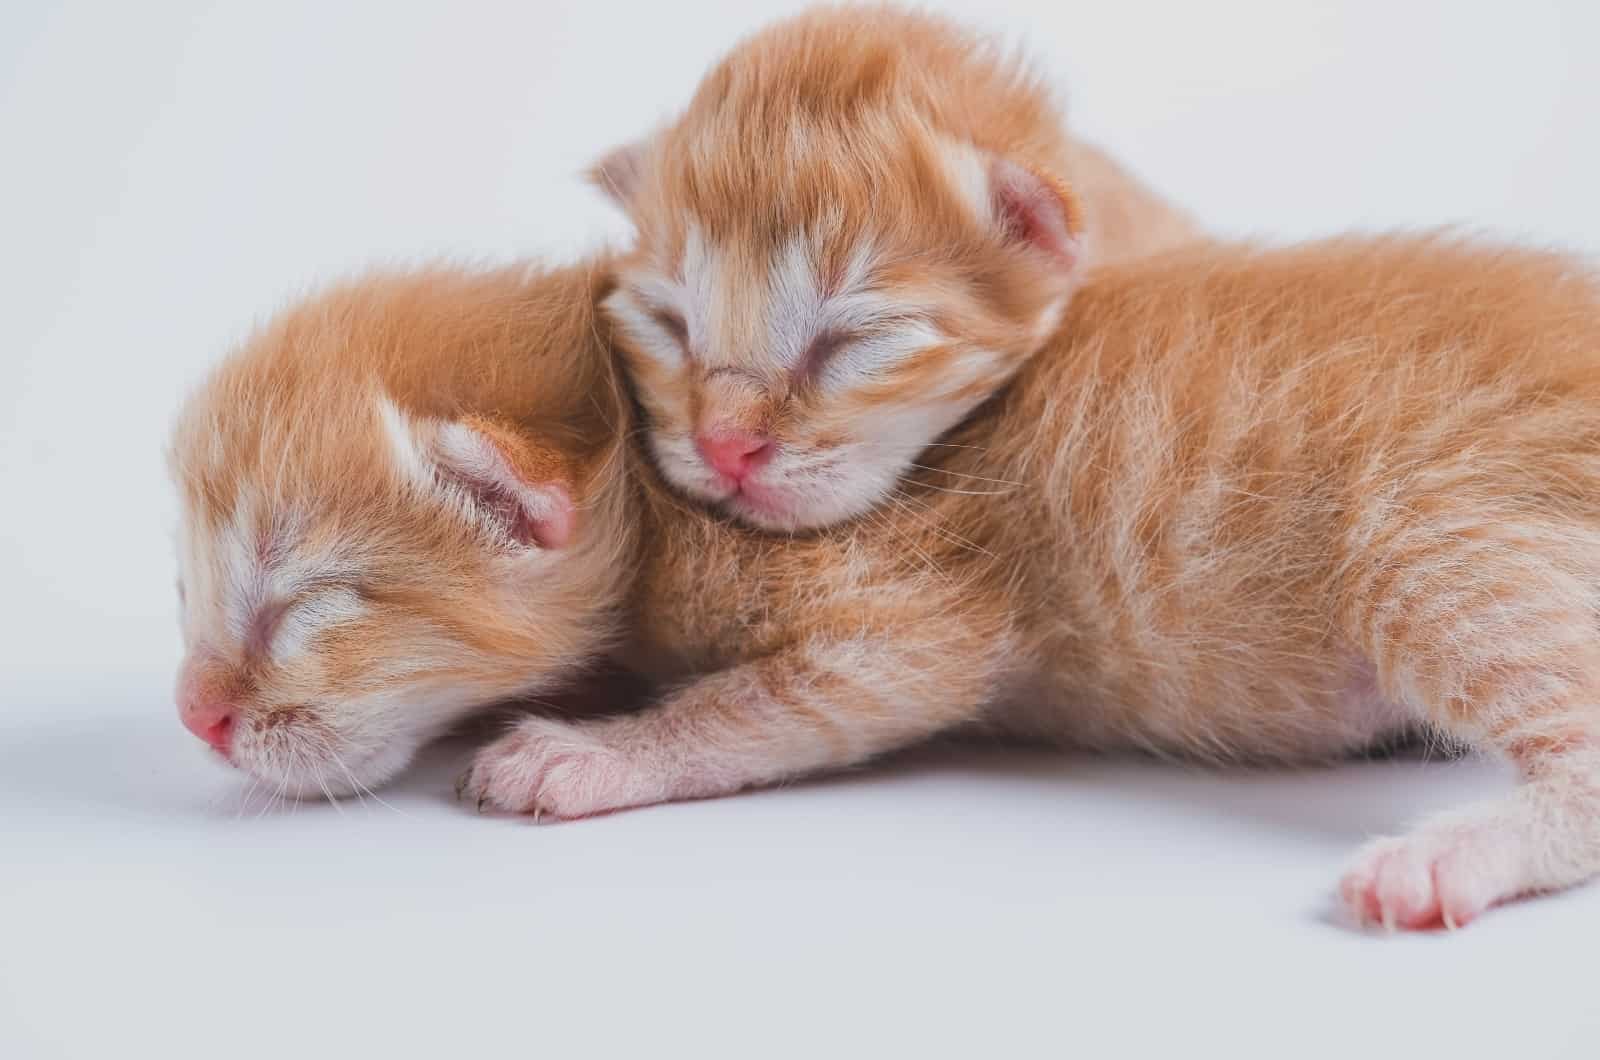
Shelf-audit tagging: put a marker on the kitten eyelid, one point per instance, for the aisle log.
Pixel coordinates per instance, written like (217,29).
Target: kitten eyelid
(670,321)
(833,339)
(828,342)
(269,620)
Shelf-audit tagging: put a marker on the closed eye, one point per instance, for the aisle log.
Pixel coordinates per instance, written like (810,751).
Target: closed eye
(264,627)
(672,323)
(840,350)
(827,343)
(283,625)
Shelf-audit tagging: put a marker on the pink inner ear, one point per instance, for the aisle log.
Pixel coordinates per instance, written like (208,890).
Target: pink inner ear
(530,514)
(1033,212)
(554,528)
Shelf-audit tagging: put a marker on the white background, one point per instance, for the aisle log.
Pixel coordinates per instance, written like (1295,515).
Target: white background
(170,172)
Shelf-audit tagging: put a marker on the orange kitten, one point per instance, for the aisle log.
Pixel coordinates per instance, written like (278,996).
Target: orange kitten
(373,540)
(1248,504)
(864,223)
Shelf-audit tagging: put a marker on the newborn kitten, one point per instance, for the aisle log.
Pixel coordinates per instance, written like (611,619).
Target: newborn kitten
(864,223)
(385,495)
(1247,505)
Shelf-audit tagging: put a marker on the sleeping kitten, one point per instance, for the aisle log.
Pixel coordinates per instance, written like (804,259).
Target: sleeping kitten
(1247,504)
(385,495)
(864,223)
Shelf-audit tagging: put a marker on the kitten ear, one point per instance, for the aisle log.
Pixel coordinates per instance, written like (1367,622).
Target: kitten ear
(1038,210)
(621,171)
(521,488)
(1024,207)
(517,489)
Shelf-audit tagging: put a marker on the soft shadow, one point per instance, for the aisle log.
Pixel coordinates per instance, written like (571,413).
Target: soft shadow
(1348,800)
(148,766)
(124,764)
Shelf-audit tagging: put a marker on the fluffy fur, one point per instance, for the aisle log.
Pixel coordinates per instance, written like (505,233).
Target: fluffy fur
(863,224)
(384,494)
(1248,505)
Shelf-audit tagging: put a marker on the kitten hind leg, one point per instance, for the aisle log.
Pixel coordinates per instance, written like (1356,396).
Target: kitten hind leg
(1492,634)
(1452,868)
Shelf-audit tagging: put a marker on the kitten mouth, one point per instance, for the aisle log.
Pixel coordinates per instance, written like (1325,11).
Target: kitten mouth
(761,503)
(315,769)
(752,499)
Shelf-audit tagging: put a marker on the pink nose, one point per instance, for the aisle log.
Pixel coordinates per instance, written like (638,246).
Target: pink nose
(208,719)
(734,453)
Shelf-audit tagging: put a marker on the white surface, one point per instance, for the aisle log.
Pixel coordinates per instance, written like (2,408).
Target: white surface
(169,172)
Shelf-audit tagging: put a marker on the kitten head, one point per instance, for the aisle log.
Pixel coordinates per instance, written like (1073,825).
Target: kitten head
(834,266)
(375,539)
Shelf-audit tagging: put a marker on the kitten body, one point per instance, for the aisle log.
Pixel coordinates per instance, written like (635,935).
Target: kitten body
(863,224)
(1265,505)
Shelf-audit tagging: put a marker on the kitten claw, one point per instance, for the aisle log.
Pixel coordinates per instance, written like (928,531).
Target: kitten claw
(1441,876)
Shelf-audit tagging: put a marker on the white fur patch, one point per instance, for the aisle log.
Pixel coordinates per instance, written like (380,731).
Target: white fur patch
(470,453)
(687,289)
(631,313)
(698,272)
(967,170)
(404,443)
(239,575)
(794,303)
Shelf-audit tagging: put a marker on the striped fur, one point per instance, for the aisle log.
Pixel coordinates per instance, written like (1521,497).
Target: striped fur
(1250,504)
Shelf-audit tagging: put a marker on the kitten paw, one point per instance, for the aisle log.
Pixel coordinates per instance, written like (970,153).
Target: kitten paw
(551,769)
(1436,877)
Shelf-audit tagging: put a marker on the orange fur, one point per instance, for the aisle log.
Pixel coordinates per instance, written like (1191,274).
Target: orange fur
(863,224)
(1250,504)
(1247,504)
(298,510)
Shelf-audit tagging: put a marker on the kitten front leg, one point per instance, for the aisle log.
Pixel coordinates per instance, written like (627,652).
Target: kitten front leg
(823,704)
